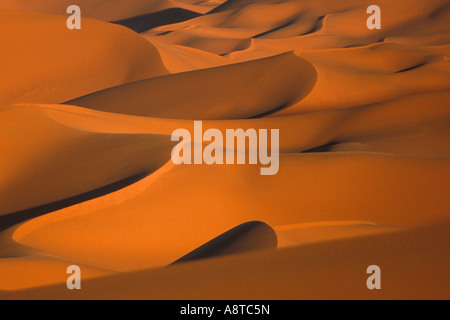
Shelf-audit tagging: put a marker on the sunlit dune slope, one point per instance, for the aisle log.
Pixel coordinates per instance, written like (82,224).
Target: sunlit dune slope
(234,91)
(44,62)
(259,28)
(414,266)
(45,161)
(180,59)
(365,163)
(86,118)
(145,227)
(108,10)
(246,237)
(30,272)
(379,72)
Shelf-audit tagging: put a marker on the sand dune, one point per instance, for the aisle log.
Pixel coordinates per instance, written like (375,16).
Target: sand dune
(279,26)
(414,263)
(249,236)
(76,158)
(180,59)
(106,54)
(316,232)
(86,119)
(108,10)
(29,272)
(144,219)
(156,19)
(341,176)
(214,93)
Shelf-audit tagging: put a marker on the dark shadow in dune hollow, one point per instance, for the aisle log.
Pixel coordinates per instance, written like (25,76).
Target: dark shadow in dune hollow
(246,237)
(411,68)
(323,148)
(316,27)
(11,219)
(156,19)
(231,5)
(287,24)
(269,112)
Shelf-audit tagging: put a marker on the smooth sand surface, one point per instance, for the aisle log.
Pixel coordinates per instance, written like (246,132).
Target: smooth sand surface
(108,10)
(413,264)
(86,119)
(215,93)
(47,63)
(248,236)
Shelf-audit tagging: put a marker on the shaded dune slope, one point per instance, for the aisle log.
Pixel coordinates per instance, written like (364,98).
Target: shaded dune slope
(108,10)
(292,273)
(364,160)
(249,236)
(156,19)
(276,26)
(216,93)
(56,162)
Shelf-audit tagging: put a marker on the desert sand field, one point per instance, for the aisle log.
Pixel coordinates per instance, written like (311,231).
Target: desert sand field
(86,118)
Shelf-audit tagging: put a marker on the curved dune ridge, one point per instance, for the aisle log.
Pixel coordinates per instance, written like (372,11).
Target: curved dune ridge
(249,236)
(108,10)
(246,29)
(411,261)
(86,118)
(47,63)
(42,170)
(156,19)
(216,93)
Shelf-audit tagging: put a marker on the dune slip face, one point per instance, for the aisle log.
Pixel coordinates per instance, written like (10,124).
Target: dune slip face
(239,149)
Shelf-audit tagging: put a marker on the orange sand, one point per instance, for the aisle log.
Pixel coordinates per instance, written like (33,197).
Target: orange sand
(86,118)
